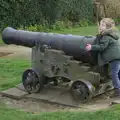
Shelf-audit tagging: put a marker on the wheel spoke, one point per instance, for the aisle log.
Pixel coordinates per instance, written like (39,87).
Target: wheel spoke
(32,82)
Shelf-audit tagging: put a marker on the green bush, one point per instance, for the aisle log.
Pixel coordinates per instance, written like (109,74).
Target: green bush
(48,13)
(58,25)
(117,21)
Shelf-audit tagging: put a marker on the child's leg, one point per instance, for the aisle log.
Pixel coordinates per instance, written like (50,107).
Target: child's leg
(115,67)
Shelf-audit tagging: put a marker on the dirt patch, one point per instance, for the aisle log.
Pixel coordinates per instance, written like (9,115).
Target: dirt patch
(31,105)
(17,51)
(36,106)
(2,54)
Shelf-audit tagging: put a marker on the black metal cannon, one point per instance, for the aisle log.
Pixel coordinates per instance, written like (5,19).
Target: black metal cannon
(72,45)
(58,57)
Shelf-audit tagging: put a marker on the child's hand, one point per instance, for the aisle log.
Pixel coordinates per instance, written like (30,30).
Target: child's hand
(88,47)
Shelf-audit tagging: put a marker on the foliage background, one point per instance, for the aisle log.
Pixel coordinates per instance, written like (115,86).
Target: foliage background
(18,13)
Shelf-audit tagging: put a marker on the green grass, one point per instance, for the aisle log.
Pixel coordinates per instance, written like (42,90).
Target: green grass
(108,114)
(11,71)
(1,42)
(90,30)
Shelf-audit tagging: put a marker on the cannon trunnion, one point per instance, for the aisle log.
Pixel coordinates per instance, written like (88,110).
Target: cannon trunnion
(61,60)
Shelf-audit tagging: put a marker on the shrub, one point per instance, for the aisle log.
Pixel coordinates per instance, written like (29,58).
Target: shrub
(50,13)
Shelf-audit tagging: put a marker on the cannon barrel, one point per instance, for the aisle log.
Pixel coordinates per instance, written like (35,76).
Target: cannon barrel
(72,45)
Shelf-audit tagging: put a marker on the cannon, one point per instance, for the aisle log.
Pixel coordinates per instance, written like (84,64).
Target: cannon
(70,44)
(61,59)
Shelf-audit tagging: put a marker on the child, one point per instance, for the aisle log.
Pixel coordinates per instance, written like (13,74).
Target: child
(107,46)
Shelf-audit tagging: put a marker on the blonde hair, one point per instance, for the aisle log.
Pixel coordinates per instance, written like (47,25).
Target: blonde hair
(110,24)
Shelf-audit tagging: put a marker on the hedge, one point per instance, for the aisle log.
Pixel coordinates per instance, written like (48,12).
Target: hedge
(30,12)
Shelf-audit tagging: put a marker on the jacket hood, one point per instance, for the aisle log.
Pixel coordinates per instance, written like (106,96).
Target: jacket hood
(114,33)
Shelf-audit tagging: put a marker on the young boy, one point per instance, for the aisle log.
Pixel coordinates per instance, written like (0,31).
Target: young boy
(107,46)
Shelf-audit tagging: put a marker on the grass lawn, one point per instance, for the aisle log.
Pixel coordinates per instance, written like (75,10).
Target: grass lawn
(108,114)
(10,74)
(90,30)
(11,71)
(1,42)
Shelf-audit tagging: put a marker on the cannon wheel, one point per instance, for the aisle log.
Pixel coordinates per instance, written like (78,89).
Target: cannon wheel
(31,81)
(81,91)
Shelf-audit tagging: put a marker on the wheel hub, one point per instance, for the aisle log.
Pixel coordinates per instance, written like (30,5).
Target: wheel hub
(81,91)
(31,81)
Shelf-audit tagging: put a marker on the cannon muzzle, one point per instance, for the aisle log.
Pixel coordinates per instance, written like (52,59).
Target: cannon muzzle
(19,37)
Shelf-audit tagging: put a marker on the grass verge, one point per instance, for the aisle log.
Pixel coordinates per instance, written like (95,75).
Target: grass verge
(108,114)
(11,70)
(1,42)
(90,30)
